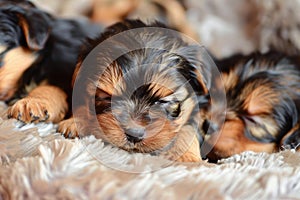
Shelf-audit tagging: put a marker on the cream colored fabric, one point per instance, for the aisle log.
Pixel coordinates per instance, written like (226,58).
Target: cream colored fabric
(37,163)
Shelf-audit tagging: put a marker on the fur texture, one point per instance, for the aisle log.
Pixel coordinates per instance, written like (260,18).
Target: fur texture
(263,95)
(34,157)
(38,50)
(150,108)
(147,99)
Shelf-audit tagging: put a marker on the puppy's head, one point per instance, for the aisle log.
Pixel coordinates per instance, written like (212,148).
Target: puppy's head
(24,30)
(145,97)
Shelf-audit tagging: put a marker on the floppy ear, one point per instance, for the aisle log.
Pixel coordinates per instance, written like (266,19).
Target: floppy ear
(35,26)
(201,63)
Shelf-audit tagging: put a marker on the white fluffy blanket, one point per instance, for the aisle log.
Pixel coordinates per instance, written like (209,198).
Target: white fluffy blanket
(38,163)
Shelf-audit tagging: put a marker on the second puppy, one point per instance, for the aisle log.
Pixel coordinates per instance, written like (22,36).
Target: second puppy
(263,105)
(38,55)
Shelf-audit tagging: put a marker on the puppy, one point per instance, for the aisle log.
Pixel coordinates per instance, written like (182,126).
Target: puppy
(157,98)
(38,55)
(148,99)
(263,105)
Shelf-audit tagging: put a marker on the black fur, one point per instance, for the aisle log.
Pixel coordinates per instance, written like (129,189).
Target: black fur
(281,76)
(276,73)
(56,41)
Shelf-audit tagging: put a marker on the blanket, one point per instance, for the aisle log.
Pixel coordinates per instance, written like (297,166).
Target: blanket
(38,163)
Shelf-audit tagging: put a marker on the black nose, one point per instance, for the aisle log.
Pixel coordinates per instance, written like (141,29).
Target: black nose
(135,135)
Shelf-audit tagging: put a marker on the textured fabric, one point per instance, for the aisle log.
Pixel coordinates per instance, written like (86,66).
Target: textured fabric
(38,163)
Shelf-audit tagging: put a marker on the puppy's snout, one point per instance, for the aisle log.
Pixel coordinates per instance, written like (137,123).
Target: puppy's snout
(135,134)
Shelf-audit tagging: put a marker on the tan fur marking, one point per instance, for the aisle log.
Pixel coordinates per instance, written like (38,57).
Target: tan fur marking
(158,135)
(229,80)
(186,110)
(160,90)
(186,148)
(267,125)
(111,79)
(44,103)
(233,141)
(2,48)
(201,82)
(76,72)
(16,61)
(25,28)
(31,41)
(260,100)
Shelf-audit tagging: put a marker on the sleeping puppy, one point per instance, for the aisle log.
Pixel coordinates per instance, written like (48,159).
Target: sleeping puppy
(158,100)
(263,105)
(148,99)
(38,55)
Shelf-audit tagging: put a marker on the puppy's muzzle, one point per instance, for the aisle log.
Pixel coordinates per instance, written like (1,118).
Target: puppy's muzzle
(135,135)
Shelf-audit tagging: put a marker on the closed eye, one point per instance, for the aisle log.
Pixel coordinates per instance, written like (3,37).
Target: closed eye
(171,108)
(161,102)
(102,95)
(102,101)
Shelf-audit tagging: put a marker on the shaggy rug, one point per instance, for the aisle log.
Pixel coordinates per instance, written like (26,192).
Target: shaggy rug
(38,163)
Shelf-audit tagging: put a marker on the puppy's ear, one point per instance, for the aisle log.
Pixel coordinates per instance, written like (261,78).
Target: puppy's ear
(36,28)
(201,65)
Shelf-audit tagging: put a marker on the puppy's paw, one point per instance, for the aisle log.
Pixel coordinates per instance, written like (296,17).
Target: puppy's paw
(35,110)
(29,110)
(68,128)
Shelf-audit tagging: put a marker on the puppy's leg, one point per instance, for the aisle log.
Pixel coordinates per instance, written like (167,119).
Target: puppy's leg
(15,62)
(45,103)
(76,126)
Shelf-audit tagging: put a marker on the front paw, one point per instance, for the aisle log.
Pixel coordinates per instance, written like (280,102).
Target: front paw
(33,110)
(68,128)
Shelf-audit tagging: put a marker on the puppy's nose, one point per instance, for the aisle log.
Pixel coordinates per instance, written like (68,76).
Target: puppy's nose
(135,135)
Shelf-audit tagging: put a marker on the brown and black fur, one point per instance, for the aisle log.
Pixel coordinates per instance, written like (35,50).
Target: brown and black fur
(38,54)
(263,105)
(144,99)
(262,94)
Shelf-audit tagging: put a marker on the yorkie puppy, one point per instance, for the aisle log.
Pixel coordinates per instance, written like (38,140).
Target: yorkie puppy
(148,99)
(263,105)
(38,54)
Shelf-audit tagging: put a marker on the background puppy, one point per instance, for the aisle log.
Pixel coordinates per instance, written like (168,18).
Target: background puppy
(147,100)
(38,54)
(263,105)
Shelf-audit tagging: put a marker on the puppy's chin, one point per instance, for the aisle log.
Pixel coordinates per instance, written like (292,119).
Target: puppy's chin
(159,135)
